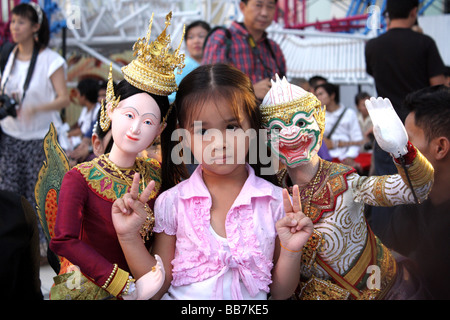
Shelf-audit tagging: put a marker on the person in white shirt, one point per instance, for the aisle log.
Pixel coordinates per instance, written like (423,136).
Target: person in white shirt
(342,134)
(364,121)
(81,134)
(24,127)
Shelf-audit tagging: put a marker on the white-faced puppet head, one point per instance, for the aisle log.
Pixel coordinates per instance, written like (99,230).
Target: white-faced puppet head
(295,121)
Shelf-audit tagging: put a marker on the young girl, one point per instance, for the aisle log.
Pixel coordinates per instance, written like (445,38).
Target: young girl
(222,233)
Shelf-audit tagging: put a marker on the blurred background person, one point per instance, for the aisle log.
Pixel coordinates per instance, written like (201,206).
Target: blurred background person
(247,46)
(196,33)
(314,81)
(81,133)
(365,122)
(24,126)
(342,134)
(101,90)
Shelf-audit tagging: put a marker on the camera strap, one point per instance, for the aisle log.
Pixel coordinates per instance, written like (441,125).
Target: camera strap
(30,70)
(336,124)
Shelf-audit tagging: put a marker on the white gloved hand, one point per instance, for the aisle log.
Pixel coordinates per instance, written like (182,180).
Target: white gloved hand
(388,129)
(149,284)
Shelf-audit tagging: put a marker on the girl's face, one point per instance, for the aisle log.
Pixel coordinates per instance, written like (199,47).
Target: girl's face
(194,42)
(135,123)
(22,29)
(217,138)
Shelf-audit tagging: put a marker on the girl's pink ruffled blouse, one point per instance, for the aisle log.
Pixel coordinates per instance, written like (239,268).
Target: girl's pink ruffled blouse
(184,211)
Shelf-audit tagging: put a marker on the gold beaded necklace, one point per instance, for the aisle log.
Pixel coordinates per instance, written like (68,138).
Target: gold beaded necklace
(310,189)
(113,166)
(149,223)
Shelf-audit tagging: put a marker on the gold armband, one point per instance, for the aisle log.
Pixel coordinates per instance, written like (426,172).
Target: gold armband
(116,281)
(420,171)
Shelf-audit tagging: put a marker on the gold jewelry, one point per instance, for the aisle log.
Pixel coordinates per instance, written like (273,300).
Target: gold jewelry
(153,68)
(147,226)
(127,287)
(113,166)
(167,115)
(113,272)
(118,282)
(310,190)
(105,121)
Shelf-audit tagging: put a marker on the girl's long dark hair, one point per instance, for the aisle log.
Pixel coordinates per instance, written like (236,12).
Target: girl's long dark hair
(210,83)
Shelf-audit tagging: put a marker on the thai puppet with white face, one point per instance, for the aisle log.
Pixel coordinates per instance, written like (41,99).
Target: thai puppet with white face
(295,130)
(87,229)
(339,258)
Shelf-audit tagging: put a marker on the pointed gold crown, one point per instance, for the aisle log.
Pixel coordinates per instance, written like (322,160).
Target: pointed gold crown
(153,68)
(284,100)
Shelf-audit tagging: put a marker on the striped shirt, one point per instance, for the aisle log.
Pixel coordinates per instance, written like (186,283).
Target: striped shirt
(264,63)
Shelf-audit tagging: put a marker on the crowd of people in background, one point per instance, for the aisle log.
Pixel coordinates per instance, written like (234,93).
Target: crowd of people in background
(414,79)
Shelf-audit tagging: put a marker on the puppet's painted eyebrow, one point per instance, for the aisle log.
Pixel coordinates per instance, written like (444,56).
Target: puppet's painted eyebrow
(137,112)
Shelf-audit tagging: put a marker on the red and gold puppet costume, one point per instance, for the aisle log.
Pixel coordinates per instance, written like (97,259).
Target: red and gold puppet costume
(85,236)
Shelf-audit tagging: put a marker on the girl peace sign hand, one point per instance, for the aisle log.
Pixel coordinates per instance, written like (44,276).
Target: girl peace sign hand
(128,212)
(295,228)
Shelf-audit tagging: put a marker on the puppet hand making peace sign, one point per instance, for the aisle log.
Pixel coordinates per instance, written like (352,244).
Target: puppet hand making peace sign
(129,213)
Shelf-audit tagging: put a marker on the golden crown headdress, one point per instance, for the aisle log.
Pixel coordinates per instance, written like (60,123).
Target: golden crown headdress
(105,121)
(284,100)
(153,68)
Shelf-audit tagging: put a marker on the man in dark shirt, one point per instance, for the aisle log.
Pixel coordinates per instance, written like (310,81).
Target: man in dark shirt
(401,61)
(422,232)
(246,45)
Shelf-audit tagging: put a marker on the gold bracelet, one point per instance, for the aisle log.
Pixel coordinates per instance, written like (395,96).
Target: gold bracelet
(127,287)
(147,227)
(110,276)
(118,283)
(290,249)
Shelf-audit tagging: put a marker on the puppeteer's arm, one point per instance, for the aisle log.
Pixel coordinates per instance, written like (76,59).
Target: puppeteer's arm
(415,173)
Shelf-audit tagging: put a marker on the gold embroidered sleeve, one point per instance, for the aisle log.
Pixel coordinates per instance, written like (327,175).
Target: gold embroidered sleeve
(392,190)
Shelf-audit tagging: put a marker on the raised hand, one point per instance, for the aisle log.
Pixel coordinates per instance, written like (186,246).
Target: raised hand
(388,129)
(295,228)
(128,212)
